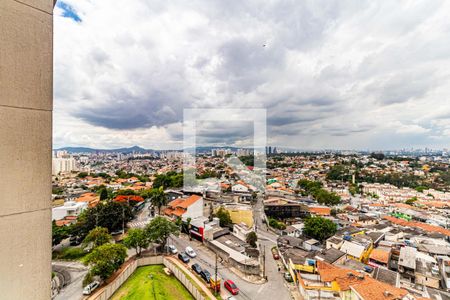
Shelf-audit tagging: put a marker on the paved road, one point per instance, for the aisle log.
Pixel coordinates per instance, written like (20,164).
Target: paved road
(73,291)
(274,289)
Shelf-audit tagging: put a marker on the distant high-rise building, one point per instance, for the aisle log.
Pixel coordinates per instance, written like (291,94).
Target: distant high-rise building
(63,165)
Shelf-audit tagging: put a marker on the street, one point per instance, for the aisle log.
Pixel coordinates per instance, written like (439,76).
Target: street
(275,288)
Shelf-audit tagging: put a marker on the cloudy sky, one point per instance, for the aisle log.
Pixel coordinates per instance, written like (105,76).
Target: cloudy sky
(331,74)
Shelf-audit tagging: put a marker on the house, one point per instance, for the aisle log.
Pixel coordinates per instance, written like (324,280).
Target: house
(70,208)
(332,282)
(379,257)
(92,199)
(331,255)
(191,207)
(407,262)
(294,230)
(239,188)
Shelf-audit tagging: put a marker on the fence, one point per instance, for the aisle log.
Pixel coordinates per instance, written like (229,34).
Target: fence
(106,292)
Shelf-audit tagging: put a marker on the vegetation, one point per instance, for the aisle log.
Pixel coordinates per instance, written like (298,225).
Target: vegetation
(319,228)
(314,188)
(70,253)
(224,217)
(328,198)
(59,233)
(251,239)
(137,239)
(276,224)
(411,201)
(111,215)
(158,198)
(159,229)
(105,259)
(97,237)
(151,282)
(168,180)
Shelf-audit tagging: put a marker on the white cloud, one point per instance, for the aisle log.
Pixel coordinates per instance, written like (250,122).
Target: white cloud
(330,73)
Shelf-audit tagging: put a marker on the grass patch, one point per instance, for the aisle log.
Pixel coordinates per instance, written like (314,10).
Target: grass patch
(161,287)
(69,253)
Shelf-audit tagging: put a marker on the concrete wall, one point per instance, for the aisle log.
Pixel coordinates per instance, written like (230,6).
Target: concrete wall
(106,292)
(26,71)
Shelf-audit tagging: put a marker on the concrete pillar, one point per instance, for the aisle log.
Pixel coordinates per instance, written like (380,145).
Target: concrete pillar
(26,71)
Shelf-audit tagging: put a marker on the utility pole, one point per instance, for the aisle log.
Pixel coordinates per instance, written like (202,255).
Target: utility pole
(123,220)
(215,279)
(264,261)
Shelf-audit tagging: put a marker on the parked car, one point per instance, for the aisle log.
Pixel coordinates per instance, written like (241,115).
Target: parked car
(275,254)
(90,287)
(197,269)
(205,275)
(189,251)
(183,257)
(173,249)
(231,287)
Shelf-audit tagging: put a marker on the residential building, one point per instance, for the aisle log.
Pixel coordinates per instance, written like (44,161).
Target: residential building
(191,207)
(70,208)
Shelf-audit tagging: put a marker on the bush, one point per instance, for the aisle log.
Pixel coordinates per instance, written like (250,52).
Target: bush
(71,253)
(276,224)
(88,279)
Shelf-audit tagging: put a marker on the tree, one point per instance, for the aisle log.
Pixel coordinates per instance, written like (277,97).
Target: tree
(159,229)
(224,217)
(137,239)
(319,228)
(105,259)
(411,201)
(251,239)
(97,237)
(59,233)
(159,198)
(103,194)
(111,215)
(324,197)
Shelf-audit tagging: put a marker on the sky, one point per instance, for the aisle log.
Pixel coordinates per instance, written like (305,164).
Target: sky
(330,74)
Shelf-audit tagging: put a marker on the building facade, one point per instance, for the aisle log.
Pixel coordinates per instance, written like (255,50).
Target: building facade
(26,74)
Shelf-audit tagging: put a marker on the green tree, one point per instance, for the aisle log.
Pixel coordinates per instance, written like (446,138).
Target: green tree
(324,197)
(411,201)
(308,186)
(59,233)
(319,228)
(111,215)
(137,239)
(82,175)
(159,229)
(97,237)
(105,259)
(224,217)
(103,194)
(251,239)
(159,198)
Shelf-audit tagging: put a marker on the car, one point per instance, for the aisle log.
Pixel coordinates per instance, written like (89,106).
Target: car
(173,249)
(90,287)
(231,298)
(205,275)
(189,251)
(183,257)
(231,287)
(275,254)
(197,269)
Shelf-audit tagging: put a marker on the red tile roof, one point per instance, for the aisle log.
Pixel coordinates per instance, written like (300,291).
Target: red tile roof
(424,226)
